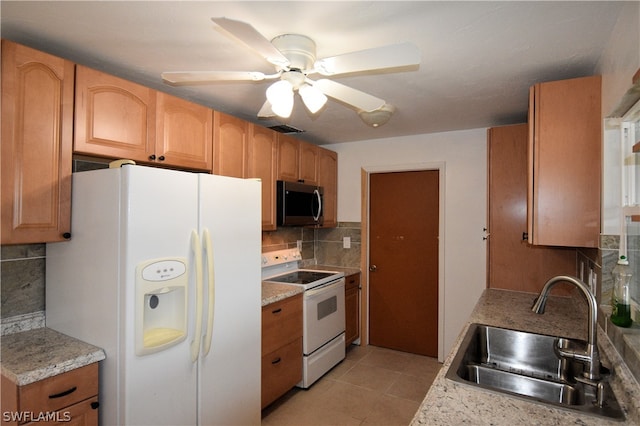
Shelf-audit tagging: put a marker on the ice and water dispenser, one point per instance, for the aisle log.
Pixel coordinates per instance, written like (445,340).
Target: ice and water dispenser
(161,304)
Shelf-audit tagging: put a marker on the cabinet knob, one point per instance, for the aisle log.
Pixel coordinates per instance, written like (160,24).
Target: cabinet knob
(66,235)
(161,158)
(152,157)
(95,405)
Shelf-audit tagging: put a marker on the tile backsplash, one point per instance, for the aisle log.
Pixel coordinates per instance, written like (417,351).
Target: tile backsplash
(22,279)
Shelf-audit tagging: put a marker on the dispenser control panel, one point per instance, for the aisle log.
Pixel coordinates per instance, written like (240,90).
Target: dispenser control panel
(164,270)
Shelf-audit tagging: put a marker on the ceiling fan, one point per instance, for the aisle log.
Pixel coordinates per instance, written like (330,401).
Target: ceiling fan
(294,58)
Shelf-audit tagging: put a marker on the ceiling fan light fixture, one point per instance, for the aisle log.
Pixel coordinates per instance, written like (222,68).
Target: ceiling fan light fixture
(280,96)
(377,117)
(313,98)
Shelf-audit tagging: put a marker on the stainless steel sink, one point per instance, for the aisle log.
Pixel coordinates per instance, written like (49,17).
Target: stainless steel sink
(526,365)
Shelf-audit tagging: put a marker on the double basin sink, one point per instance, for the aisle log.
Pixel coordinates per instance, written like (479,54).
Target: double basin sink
(526,365)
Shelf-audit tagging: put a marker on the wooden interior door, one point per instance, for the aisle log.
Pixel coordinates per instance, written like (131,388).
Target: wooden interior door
(403,259)
(514,264)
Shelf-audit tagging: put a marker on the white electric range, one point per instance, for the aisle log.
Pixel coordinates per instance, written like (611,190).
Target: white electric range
(323,341)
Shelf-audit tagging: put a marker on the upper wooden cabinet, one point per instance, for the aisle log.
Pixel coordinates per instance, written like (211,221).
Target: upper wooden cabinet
(297,160)
(37,129)
(230,143)
(328,180)
(309,162)
(564,163)
(184,133)
(262,163)
(116,118)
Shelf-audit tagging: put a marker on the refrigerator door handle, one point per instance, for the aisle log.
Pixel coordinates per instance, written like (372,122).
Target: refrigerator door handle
(197,251)
(211,281)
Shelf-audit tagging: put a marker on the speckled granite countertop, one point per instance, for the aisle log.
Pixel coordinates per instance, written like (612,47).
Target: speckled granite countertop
(37,354)
(449,403)
(274,292)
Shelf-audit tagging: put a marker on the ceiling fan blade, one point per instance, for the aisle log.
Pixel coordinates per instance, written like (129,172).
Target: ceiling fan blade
(377,58)
(202,77)
(360,100)
(253,39)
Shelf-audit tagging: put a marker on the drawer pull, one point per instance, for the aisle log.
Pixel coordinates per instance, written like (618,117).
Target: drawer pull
(276,311)
(62,394)
(95,405)
(276,361)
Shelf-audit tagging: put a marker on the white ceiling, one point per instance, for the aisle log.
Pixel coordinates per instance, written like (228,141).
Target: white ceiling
(478,58)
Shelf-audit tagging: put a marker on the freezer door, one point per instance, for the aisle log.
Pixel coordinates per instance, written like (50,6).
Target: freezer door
(159,212)
(229,374)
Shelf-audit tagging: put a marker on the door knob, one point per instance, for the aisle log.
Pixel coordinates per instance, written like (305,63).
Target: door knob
(373,268)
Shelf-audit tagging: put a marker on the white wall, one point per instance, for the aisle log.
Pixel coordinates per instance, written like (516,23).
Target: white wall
(465,160)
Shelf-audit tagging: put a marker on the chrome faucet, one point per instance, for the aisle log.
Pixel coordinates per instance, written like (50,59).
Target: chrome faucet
(590,355)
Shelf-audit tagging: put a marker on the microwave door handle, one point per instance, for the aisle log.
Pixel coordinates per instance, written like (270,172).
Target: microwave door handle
(317,193)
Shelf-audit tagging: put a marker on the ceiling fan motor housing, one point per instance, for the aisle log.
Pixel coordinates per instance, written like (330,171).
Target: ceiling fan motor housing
(298,49)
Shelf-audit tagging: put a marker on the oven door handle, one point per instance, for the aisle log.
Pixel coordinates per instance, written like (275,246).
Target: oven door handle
(325,288)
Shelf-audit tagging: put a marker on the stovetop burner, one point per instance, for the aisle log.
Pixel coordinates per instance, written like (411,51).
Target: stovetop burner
(302,277)
(283,267)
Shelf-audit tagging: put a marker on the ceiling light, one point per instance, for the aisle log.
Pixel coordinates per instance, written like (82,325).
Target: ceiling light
(313,98)
(377,117)
(280,95)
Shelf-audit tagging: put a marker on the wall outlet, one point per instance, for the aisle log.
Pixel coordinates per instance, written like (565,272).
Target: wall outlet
(346,242)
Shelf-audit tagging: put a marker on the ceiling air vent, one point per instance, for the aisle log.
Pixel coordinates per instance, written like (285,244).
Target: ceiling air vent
(283,128)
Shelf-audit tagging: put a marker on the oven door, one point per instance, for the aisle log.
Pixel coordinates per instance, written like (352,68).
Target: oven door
(324,316)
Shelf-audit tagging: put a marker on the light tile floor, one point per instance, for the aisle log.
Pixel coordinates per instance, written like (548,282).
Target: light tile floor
(372,386)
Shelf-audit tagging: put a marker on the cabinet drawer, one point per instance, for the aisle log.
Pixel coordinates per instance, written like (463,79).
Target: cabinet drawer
(281,370)
(60,391)
(281,323)
(352,281)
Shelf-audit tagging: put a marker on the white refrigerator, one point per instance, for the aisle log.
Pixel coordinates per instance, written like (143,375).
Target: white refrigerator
(163,272)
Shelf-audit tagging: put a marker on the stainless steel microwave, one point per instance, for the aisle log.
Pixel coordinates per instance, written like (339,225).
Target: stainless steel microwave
(299,204)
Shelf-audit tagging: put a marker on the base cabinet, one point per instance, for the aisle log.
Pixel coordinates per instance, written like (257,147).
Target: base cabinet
(281,347)
(352,308)
(69,398)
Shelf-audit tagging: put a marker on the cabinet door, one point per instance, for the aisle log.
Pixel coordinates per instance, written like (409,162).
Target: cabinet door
(352,308)
(37,120)
(262,163)
(230,145)
(565,144)
(288,158)
(308,172)
(512,263)
(184,133)
(114,117)
(328,180)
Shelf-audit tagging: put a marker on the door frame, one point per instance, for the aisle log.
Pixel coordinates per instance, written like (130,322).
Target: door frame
(365,174)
